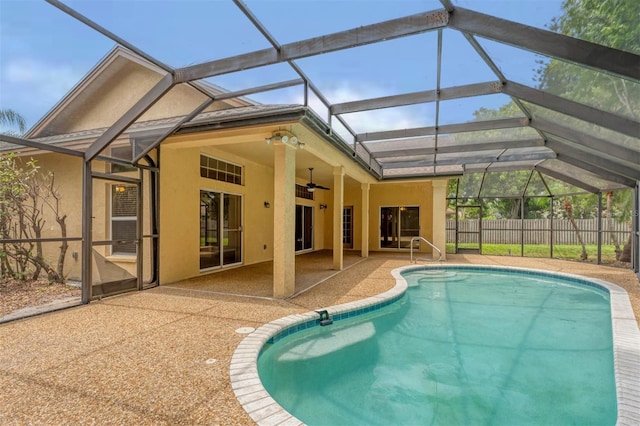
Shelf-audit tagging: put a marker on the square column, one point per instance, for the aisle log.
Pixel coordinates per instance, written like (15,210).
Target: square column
(284,220)
(439,217)
(364,220)
(338,207)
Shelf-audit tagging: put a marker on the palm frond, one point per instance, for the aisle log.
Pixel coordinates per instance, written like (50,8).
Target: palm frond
(9,117)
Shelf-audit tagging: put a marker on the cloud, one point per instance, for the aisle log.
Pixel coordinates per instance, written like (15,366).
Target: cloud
(45,82)
(370,121)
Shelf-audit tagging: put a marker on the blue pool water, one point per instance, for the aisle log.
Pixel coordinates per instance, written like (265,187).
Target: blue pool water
(460,348)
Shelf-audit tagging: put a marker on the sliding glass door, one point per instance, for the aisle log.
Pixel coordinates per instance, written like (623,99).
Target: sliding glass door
(304,227)
(398,225)
(232,229)
(220,229)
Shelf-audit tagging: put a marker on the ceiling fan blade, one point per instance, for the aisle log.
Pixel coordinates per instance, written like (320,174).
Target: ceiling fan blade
(312,186)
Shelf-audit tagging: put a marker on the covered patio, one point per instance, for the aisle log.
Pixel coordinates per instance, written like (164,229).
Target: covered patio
(256,280)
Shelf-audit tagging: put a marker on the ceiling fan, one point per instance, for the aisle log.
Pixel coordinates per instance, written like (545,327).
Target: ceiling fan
(312,186)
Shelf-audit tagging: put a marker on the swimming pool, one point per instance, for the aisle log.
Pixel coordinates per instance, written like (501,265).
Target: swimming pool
(450,362)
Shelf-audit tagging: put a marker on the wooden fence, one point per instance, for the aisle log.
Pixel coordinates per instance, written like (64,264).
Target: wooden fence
(537,231)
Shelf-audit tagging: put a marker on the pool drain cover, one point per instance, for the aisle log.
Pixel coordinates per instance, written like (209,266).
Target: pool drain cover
(245,330)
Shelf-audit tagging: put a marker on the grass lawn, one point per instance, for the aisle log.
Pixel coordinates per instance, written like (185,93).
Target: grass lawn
(559,251)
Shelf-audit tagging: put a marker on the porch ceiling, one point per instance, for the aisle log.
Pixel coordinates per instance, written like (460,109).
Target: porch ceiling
(438,122)
(261,153)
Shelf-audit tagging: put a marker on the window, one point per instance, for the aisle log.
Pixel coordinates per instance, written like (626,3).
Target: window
(213,168)
(122,153)
(124,205)
(301,192)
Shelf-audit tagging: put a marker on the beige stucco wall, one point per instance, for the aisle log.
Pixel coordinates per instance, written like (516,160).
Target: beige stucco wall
(416,193)
(67,171)
(400,194)
(180,185)
(106,99)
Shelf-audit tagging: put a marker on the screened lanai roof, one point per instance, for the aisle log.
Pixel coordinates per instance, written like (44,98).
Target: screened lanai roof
(412,88)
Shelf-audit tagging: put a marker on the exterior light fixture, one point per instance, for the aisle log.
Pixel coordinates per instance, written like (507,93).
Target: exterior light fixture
(285,139)
(267,204)
(323,206)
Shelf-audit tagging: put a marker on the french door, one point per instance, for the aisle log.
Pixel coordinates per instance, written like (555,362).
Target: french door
(398,225)
(220,229)
(304,227)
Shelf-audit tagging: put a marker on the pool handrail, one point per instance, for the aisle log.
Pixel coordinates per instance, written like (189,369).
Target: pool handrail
(429,243)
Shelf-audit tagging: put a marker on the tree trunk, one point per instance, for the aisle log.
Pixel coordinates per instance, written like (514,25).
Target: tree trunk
(63,247)
(514,211)
(568,207)
(52,275)
(625,255)
(583,255)
(614,237)
(5,265)
(37,268)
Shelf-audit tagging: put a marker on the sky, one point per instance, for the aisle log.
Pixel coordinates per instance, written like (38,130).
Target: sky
(44,52)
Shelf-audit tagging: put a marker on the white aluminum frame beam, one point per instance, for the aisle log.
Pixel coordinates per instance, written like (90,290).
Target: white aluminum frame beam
(88,22)
(426,96)
(507,167)
(598,171)
(504,123)
(40,145)
(368,34)
(147,101)
(583,139)
(592,55)
(566,150)
(307,81)
(459,148)
(561,176)
(475,160)
(205,104)
(577,110)
(138,156)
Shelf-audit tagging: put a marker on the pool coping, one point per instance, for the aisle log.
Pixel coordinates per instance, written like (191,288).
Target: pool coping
(265,411)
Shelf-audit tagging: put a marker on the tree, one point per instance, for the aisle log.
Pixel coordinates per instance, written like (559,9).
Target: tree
(612,23)
(568,208)
(11,118)
(27,197)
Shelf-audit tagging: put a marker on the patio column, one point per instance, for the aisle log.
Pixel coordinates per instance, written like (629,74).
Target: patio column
(364,219)
(284,220)
(338,207)
(439,217)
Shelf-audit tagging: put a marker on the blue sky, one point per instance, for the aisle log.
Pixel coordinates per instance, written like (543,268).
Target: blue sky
(44,53)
